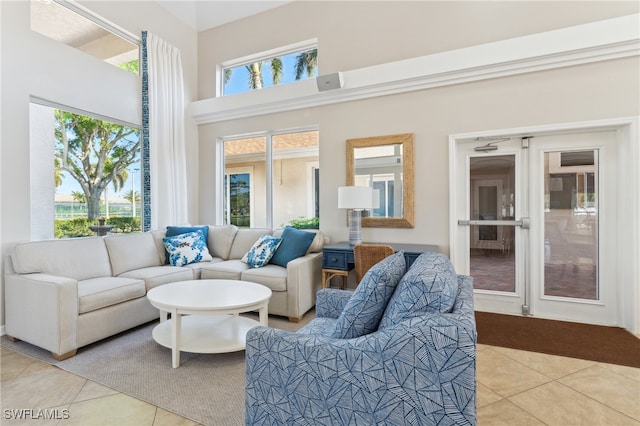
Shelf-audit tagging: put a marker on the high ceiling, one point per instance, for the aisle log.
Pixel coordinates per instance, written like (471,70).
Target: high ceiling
(205,14)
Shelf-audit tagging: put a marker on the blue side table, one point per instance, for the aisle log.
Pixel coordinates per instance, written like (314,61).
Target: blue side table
(338,259)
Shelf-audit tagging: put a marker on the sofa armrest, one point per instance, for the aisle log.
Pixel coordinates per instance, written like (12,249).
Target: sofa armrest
(42,309)
(330,302)
(423,369)
(304,276)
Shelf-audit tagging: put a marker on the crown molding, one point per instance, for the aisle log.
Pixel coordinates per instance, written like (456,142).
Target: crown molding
(594,42)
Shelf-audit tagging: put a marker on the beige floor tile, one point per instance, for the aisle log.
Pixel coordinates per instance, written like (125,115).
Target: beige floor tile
(505,376)
(556,404)
(505,413)
(485,396)
(118,409)
(550,365)
(167,418)
(610,388)
(40,386)
(12,364)
(630,372)
(93,390)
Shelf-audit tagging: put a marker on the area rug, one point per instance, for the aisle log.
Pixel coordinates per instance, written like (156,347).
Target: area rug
(611,345)
(206,388)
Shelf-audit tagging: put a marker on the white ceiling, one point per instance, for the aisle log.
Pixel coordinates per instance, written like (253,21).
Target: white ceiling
(205,14)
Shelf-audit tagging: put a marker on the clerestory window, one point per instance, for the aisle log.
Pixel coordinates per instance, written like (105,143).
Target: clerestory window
(71,24)
(278,66)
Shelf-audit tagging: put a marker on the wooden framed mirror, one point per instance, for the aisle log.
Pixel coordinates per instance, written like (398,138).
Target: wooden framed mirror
(386,164)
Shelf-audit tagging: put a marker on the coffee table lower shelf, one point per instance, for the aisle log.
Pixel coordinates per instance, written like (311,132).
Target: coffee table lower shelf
(207,333)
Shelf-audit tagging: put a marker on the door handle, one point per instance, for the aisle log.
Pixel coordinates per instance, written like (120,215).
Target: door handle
(522,222)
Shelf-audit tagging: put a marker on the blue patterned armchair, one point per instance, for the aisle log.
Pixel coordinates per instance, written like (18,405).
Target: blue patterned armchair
(414,367)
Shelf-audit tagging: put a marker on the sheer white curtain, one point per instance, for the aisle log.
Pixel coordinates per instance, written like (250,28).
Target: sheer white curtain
(167,154)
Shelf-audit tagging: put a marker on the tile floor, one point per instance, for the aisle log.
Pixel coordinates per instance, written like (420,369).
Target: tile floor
(514,388)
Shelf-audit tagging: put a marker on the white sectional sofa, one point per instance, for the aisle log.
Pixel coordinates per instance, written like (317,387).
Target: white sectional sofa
(64,294)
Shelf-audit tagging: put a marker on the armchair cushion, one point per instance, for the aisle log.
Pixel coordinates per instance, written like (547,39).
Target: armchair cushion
(361,315)
(429,286)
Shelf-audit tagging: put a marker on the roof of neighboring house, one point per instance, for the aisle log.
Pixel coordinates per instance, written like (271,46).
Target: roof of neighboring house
(281,142)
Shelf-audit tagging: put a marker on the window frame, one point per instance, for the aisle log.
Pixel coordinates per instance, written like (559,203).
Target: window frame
(268,135)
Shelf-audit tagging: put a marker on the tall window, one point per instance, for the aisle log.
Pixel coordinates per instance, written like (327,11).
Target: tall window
(91,173)
(271,180)
(279,66)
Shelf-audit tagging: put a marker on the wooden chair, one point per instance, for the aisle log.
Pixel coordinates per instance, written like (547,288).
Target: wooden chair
(367,255)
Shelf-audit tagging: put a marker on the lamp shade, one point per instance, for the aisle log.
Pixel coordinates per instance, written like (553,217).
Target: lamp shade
(355,197)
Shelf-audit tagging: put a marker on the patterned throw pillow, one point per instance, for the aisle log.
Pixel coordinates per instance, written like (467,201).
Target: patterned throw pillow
(429,286)
(172,231)
(186,248)
(262,251)
(364,309)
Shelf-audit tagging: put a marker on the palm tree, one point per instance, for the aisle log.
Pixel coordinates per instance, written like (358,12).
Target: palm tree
(79,197)
(306,61)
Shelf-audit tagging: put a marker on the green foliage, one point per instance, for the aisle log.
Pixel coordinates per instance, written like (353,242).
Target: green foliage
(124,224)
(306,223)
(71,228)
(79,226)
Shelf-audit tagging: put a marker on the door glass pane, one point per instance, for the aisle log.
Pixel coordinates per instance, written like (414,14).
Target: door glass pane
(295,160)
(492,248)
(245,182)
(571,224)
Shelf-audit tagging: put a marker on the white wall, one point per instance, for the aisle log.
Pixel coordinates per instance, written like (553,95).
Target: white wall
(33,65)
(359,34)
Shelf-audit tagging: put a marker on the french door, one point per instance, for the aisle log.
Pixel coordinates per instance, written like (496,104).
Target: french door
(536,224)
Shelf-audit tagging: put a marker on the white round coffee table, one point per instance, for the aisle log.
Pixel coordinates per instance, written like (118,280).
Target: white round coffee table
(211,323)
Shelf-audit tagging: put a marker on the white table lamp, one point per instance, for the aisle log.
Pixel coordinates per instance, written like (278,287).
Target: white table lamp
(355,198)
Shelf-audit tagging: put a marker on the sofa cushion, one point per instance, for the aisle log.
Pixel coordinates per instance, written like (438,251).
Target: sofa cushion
(77,258)
(295,243)
(429,286)
(158,275)
(221,239)
(364,309)
(261,251)
(244,239)
(187,248)
(98,293)
(272,276)
(227,270)
(132,251)
(172,231)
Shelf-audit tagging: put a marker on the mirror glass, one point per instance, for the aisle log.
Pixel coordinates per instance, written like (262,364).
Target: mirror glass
(384,163)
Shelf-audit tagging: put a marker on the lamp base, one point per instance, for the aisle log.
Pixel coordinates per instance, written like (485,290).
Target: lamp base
(355,220)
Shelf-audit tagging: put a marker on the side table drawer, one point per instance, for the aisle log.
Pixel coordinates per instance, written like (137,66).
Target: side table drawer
(334,260)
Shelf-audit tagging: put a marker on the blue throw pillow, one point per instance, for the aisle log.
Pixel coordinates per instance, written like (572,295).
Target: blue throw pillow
(295,243)
(186,248)
(178,230)
(364,309)
(429,286)
(261,252)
